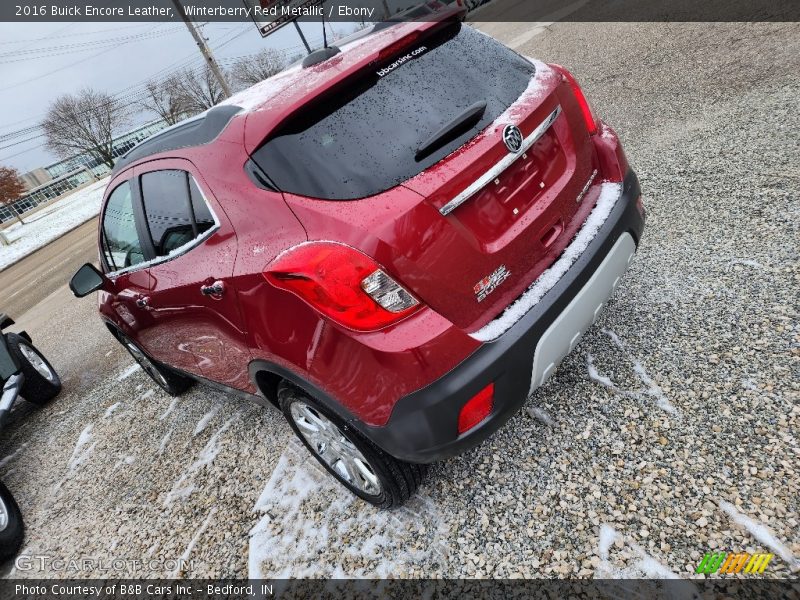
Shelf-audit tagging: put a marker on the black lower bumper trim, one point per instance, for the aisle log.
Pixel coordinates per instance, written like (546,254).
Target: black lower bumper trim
(423,426)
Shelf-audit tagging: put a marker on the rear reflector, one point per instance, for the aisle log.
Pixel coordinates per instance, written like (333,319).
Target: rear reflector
(476,409)
(640,207)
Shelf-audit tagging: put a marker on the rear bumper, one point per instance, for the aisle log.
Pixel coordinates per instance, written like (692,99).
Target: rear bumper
(423,426)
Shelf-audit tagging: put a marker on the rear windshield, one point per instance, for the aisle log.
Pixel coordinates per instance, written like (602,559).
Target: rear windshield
(364,141)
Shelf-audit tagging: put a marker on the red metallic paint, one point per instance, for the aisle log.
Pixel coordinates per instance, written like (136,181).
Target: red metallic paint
(438,258)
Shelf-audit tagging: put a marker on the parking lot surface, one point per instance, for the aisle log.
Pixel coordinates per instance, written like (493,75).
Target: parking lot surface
(671,430)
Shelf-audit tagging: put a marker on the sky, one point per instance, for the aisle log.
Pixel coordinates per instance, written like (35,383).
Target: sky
(41,61)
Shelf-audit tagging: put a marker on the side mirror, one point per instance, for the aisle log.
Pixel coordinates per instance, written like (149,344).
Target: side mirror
(87,280)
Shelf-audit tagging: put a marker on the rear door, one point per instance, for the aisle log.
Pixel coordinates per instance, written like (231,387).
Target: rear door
(197,324)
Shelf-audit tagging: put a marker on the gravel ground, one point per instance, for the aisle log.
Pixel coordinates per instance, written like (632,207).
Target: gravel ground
(668,433)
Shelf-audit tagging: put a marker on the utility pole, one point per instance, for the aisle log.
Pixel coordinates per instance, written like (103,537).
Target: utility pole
(204,49)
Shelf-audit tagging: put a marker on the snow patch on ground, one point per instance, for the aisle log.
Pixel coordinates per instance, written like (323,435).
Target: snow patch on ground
(206,419)
(128,372)
(192,543)
(760,532)
(126,460)
(650,390)
(49,223)
(641,565)
(165,440)
(13,455)
(609,194)
(304,510)
(183,486)
(541,415)
(110,410)
(746,262)
(146,395)
(80,454)
(169,410)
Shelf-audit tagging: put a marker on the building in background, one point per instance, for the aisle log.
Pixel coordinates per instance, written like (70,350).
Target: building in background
(35,178)
(55,180)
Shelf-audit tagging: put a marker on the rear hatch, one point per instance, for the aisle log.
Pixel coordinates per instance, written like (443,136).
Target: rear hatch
(418,140)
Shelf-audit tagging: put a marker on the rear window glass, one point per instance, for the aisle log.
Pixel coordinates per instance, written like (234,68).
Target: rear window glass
(364,140)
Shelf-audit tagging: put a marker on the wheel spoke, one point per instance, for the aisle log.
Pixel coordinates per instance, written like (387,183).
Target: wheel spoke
(334,448)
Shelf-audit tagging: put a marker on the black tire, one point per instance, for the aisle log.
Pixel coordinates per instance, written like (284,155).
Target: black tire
(398,479)
(37,387)
(11,535)
(164,377)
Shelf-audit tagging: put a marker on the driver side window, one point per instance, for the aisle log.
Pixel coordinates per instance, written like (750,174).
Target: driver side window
(121,245)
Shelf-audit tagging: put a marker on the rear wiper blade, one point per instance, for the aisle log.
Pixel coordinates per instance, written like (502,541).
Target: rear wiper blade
(457,126)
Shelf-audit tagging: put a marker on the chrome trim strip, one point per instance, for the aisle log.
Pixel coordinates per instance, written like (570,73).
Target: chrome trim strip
(501,166)
(181,250)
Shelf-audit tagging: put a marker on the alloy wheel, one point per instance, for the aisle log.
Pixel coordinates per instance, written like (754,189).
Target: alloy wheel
(37,362)
(146,364)
(332,446)
(3,515)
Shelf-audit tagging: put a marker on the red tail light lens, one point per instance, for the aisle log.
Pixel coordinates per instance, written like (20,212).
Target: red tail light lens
(342,284)
(476,409)
(588,115)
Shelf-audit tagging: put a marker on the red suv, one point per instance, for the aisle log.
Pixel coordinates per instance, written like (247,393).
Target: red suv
(394,242)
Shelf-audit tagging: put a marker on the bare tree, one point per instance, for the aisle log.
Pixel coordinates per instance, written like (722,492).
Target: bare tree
(84,123)
(11,189)
(201,90)
(253,69)
(166,98)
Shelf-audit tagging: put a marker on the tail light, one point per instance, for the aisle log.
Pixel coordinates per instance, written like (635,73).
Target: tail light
(588,115)
(342,284)
(476,409)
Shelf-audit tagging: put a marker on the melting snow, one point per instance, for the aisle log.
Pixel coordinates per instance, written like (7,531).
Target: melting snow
(10,457)
(164,441)
(82,451)
(609,194)
(169,410)
(51,222)
(82,448)
(540,415)
(642,566)
(762,534)
(128,372)
(186,553)
(182,487)
(206,419)
(650,390)
(304,510)
(110,410)
(746,262)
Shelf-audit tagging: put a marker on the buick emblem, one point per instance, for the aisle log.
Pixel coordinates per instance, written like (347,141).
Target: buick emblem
(512,136)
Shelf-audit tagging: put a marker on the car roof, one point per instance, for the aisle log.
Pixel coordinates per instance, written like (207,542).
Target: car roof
(271,100)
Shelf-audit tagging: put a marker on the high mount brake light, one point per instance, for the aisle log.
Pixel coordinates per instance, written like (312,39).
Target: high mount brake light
(397,47)
(342,284)
(586,110)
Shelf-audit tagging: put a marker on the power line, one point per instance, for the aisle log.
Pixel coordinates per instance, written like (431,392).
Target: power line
(50,51)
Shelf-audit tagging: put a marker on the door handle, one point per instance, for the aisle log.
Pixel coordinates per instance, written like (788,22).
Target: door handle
(142,301)
(215,289)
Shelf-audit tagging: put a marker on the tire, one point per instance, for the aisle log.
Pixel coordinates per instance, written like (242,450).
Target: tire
(164,377)
(42,383)
(13,529)
(374,476)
